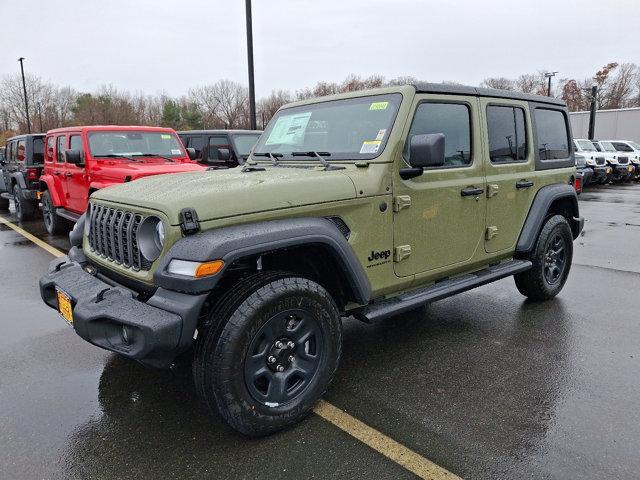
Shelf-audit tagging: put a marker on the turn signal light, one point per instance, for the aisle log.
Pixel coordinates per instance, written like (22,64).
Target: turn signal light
(209,268)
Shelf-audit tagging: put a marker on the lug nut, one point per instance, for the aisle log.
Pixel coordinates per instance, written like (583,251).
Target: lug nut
(279,344)
(271,359)
(280,368)
(291,358)
(290,344)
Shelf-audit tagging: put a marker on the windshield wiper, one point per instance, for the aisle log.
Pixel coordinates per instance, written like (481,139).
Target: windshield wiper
(114,155)
(320,156)
(154,155)
(273,156)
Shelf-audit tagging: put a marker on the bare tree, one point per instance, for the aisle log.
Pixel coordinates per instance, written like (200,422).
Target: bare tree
(501,83)
(267,107)
(620,89)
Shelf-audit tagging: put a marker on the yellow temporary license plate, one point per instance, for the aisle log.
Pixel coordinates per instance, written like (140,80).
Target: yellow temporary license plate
(64,306)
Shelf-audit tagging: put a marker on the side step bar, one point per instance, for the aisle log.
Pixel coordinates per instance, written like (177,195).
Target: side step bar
(6,195)
(374,312)
(64,213)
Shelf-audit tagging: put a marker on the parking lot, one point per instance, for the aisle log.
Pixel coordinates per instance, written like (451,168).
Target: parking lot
(484,384)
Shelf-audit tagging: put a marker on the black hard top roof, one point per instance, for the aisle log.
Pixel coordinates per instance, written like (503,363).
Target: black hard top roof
(219,131)
(27,135)
(448,89)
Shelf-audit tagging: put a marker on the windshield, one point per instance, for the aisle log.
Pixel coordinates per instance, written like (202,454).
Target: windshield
(608,147)
(244,143)
(585,145)
(349,129)
(130,143)
(597,145)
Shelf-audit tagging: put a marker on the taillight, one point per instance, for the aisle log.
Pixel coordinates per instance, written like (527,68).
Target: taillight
(577,184)
(32,173)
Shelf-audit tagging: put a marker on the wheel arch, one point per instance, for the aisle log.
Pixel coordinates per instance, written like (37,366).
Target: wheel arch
(313,247)
(557,199)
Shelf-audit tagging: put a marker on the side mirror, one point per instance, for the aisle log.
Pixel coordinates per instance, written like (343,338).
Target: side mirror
(425,151)
(223,154)
(192,153)
(74,157)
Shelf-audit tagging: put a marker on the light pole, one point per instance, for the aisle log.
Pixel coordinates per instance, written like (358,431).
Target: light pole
(252,93)
(549,75)
(592,112)
(24,88)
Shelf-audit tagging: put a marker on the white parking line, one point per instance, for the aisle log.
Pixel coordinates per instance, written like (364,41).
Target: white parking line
(394,451)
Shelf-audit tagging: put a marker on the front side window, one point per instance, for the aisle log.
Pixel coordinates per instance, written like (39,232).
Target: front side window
(21,153)
(348,129)
(60,148)
(451,119)
(507,134)
(196,143)
(622,147)
(215,143)
(134,143)
(51,141)
(553,134)
(75,143)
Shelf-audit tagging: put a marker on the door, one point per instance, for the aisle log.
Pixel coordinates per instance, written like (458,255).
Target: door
(77,191)
(509,165)
(439,215)
(60,169)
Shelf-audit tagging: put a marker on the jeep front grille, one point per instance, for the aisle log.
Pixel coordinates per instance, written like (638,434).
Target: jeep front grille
(113,234)
(623,160)
(600,160)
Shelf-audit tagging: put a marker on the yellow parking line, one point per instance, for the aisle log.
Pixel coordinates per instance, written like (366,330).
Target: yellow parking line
(53,251)
(371,437)
(388,447)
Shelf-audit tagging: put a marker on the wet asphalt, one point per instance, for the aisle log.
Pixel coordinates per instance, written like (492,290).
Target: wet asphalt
(485,384)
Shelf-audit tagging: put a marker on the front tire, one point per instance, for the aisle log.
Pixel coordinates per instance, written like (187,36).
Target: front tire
(551,260)
(270,353)
(54,224)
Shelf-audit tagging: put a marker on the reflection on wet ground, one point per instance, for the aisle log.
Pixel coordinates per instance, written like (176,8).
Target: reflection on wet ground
(485,384)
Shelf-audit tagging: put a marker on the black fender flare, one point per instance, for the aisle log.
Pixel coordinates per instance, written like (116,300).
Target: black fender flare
(542,202)
(19,179)
(251,239)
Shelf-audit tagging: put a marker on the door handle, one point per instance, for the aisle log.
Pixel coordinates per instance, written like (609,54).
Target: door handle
(471,192)
(68,174)
(524,184)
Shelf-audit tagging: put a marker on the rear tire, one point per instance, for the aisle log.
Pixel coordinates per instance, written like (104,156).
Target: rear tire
(269,352)
(54,224)
(25,209)
(551,258)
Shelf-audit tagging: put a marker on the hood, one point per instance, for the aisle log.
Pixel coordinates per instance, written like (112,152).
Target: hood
(116,171)
(217,194)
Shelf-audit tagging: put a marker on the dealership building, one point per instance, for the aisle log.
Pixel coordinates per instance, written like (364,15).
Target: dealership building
(618,124)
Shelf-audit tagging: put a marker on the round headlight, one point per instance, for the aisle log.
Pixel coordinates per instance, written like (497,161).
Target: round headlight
(151,238)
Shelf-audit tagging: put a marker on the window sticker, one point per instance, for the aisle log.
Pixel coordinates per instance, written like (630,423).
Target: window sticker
(370,146)
(379,106)
(165,136)
(176,151)
(381,133)
(289,129)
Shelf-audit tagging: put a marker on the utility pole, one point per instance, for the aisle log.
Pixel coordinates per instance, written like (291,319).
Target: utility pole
(592,114)
(26,101)
(549,75)
(252,93)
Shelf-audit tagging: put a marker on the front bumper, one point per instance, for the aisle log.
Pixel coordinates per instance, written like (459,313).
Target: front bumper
(620,173)
(158,329)
(599,173)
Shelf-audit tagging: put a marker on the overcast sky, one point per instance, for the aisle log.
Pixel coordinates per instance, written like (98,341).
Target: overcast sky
(167,46)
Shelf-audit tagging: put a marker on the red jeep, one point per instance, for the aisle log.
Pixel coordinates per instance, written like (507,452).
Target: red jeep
(80,160)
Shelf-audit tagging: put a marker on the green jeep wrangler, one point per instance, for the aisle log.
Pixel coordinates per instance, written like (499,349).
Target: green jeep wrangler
(367,204)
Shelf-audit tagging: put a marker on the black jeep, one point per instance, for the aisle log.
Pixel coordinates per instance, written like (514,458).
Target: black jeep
(20,170)
(220,148)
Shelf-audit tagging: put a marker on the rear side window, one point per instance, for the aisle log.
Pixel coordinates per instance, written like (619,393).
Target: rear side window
(60,149)
(552,134)
(11,151)
(451,119)
(507,134)
(38,150)
(21,153)
(51,141)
